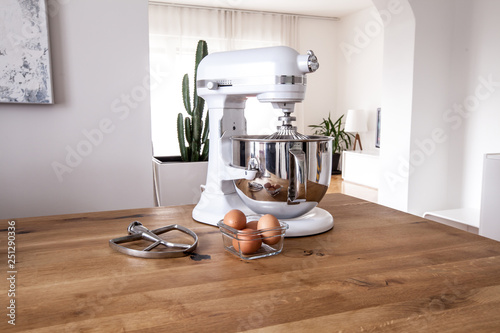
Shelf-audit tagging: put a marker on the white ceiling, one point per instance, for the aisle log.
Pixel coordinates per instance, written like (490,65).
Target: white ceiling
(329,8)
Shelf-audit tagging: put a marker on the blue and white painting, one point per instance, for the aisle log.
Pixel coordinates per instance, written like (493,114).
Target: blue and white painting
(25,71)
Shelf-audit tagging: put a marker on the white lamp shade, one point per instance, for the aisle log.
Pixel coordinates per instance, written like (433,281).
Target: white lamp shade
(356,121)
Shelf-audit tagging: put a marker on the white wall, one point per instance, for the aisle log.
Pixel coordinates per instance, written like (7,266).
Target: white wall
(319,36)
(399,31)
(359,68)
(429,145)
(101,114)
(456,91)
(350,53)
(433,147)
(476,49)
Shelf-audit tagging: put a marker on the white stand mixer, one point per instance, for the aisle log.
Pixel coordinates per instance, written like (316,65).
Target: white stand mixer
(225,80)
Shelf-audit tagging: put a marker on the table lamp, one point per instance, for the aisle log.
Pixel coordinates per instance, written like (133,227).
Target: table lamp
(356,123)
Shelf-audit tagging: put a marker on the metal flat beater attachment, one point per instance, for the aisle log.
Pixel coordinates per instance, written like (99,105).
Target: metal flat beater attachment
(137,232)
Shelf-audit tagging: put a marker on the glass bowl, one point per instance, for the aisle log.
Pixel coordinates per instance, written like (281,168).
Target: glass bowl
(253,245)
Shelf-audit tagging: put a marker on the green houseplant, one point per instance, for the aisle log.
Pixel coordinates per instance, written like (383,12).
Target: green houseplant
(341,139)
(192,131)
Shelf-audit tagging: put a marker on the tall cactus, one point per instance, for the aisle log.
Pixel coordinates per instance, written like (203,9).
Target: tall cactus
(192,129)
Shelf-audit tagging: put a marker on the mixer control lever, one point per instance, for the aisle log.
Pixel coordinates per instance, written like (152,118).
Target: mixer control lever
(212,85)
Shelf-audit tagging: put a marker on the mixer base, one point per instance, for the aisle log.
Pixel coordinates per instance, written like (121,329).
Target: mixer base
(314,222)
(213,206)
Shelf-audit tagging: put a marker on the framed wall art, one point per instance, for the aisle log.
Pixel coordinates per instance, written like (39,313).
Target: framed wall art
(25,68)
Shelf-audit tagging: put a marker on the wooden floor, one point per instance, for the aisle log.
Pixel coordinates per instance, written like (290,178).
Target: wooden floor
(338,185)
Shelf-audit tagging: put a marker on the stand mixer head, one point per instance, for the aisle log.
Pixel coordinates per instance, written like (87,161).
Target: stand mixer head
(240,166)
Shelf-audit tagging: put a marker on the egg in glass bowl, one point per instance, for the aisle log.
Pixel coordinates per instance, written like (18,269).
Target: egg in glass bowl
(252,236)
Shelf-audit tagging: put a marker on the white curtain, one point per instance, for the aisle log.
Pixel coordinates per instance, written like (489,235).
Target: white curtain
(174,32)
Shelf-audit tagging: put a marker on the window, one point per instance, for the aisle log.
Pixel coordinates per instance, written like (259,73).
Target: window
(174,34)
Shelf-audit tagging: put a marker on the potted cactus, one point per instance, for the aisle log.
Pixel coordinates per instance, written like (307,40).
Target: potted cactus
(192,129)
(176,181)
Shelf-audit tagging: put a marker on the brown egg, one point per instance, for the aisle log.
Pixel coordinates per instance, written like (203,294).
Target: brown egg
(252,224)
(269,221)
(247,241)
(235,219)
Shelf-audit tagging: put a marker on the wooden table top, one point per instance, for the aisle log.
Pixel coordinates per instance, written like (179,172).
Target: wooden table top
(378,270)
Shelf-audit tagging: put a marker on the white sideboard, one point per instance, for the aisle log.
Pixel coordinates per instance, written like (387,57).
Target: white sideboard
(361,167)
(489,225)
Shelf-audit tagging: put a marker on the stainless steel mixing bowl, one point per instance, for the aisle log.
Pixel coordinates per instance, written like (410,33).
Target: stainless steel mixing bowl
(293,175)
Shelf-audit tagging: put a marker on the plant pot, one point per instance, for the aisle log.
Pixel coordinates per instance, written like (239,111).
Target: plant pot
(335,164)
(177,182)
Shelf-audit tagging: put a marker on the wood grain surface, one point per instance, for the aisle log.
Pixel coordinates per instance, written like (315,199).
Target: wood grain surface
(378,270)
